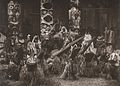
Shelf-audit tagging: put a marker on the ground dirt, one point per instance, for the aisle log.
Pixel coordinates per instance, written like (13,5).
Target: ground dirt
(88,82)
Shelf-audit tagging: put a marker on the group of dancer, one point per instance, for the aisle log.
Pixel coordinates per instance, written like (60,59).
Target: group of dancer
(90,56)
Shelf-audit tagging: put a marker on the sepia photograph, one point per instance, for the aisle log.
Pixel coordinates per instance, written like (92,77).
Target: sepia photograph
(59,42)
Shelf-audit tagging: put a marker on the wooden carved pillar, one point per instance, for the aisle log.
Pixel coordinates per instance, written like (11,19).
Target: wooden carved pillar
(14,12)
(74,15)
(46,23)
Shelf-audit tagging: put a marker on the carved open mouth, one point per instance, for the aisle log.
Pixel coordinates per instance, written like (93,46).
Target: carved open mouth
(48,18)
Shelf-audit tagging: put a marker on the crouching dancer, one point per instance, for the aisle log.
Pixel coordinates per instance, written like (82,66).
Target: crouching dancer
(70,68)
(114,61)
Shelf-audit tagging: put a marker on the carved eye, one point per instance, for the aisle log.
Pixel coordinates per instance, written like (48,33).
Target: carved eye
(11,7)
(44,11)
(50,12)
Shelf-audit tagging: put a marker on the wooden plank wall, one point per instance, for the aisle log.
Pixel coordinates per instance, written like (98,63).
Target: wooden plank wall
(3,16)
